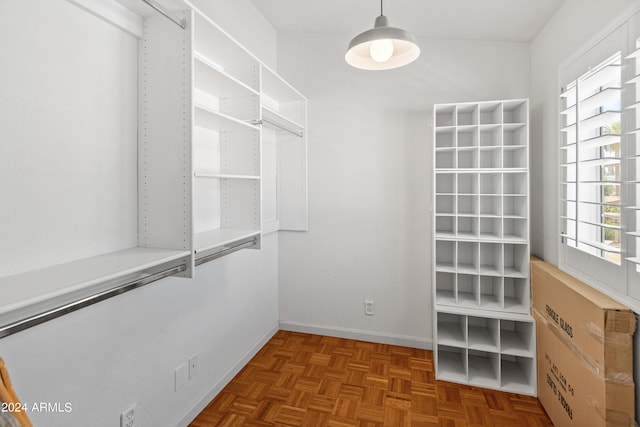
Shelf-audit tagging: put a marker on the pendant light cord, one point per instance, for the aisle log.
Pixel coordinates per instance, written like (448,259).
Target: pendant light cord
(381,11)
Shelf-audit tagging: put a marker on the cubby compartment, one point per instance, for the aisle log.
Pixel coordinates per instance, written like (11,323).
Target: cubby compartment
(445,205)
(467,257)
(445,183)
(491,113)
(491,205)
(445,158)
(445,288)
(484,368)
(515,229)
(467,158)
(516,260)
(490,157)
(491,136)
(517,338)
(490,258)
(516,295)
(467,286)
(467,115)
(468,137)
(514,135)
(445,255)
(468,183)
(451,364)
(515,206)
(445,226)
(445,116)
(490,183)
(491,292)
(483,334)
(515,183)
(515,112)
(467,205)
(467,227)
(515,157)
(517,374)
(452,330)
(490,228)
(445,138)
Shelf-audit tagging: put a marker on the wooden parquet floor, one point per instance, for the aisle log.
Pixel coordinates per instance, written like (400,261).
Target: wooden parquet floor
(311,380)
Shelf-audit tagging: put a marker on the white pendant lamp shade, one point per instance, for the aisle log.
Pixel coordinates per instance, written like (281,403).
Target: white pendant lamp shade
(382,48)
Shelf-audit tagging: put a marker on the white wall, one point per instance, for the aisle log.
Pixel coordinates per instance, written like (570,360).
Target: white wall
(370,178)
(106,357)
(570,29)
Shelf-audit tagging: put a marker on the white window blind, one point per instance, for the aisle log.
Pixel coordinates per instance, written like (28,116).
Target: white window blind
(599,156)
(592,161)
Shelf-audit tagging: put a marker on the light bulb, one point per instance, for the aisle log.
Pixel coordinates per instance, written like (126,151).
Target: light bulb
(381,50)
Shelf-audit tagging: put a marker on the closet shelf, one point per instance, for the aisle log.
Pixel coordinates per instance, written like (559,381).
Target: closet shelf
(46,288)
(224,176)
(485,314)
(211,78)
(211,119)
(276,87)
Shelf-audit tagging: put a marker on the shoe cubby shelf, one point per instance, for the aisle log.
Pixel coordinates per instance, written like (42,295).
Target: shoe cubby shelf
(481,291)
(490,292)
(486,352)
(490,135)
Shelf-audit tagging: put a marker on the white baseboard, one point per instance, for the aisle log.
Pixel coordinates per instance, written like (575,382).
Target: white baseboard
(359,334)
(191,413)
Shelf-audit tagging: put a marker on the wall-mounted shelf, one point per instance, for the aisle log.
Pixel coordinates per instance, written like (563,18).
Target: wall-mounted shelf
(481,245)
(195,175)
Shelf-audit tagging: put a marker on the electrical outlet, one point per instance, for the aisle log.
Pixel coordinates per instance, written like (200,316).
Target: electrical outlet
(368,307)
(193,366)
(128,417)
(180,374)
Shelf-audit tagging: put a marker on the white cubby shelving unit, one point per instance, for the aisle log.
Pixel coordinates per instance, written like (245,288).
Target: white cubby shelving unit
(208,112)
(484,334)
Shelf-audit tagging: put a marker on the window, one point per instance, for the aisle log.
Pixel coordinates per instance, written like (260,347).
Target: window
(600,164)
(591,168)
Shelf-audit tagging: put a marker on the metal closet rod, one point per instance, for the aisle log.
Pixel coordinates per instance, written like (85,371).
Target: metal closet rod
(226,251)
(53,313)
(279,126)
(182,23)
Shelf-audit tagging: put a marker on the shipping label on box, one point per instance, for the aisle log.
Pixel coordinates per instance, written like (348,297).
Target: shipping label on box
(572,391)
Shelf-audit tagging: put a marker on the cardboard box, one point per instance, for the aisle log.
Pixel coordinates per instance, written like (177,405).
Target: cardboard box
(599,326)
(584,351)
(572,393)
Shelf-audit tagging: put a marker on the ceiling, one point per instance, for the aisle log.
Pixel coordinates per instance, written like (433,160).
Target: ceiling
(504,20)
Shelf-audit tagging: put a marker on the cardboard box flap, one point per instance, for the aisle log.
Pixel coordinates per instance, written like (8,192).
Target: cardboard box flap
(617,317)
(621,321)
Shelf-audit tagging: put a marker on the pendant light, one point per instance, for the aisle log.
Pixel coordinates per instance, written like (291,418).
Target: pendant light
(382,47)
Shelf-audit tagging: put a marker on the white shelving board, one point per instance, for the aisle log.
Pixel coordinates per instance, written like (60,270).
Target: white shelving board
(50,287)
(481,245)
